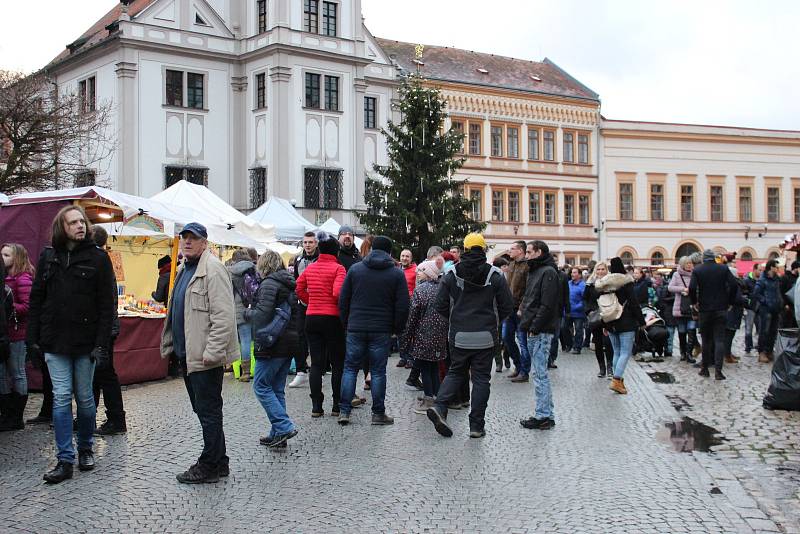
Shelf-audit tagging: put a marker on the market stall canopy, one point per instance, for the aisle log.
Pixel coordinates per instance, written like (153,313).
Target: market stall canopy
(332,227)
(289,225)
(144,213)
(184,194)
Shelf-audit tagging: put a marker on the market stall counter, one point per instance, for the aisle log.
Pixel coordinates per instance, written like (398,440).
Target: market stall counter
(137,356)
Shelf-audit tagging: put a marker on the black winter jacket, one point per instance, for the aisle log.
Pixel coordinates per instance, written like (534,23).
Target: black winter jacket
(161,294)
(712,287)
(72,300)
(475,298)
(374,296)
(666,301)
(622,286)
(563,277)
(543,303)
(272,292)
(348,257)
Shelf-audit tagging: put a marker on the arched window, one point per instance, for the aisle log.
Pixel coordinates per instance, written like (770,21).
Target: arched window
(657,258)
(686,249)
(626,257)
(746,256)
(773,255)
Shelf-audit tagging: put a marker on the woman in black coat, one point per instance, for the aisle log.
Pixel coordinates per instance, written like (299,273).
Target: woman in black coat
(276,290)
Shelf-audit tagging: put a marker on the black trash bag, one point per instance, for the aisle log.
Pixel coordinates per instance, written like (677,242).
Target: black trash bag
(784,387)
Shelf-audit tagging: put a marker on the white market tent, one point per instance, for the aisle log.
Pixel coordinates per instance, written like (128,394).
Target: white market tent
(3,199)
(197,197)
(289,225)
(332,227)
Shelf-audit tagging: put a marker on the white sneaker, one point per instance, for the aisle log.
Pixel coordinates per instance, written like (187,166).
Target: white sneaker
(300,380)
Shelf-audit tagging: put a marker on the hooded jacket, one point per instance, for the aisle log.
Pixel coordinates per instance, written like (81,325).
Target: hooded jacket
(622,286)
(301,261)
(237,272)
(374,296)
(273,291)
(544,297)
(348,256)
(474,296)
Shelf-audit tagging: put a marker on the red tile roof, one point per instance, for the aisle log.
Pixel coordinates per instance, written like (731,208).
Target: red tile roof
(98,32)
(462,66)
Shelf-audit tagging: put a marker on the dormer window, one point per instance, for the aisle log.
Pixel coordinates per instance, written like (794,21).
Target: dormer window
(199,20)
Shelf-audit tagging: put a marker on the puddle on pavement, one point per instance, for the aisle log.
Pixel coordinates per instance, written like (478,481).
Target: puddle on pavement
(661,377)
(687,435)
(678,403)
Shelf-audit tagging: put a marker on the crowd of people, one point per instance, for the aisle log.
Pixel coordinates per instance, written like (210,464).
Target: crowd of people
(338,311)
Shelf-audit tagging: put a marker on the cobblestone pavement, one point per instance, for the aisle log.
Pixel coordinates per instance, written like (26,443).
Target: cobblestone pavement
(600,469)
(761,450)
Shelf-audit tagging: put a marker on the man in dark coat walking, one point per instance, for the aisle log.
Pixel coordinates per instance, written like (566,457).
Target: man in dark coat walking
(474,296)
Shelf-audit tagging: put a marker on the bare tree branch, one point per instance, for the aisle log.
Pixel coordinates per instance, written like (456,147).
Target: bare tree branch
(47,138)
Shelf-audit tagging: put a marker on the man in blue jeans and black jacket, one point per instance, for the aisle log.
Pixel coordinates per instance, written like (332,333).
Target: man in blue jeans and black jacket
(373,305)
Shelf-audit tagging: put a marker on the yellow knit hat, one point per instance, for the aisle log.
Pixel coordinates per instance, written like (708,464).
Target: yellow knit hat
(474,240)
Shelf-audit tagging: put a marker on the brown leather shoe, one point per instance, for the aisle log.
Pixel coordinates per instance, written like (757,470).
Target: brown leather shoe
(618,386)
(520,378)
(730,358)
(763,358)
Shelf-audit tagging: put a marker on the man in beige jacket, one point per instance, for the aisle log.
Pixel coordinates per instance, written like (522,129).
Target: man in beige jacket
(200,331)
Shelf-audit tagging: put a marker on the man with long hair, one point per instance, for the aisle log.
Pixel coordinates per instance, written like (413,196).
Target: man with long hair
(71,313)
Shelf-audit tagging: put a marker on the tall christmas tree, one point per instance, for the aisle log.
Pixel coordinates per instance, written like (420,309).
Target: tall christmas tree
(418,203)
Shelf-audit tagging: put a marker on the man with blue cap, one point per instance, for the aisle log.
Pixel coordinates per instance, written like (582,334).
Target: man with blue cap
(200,331)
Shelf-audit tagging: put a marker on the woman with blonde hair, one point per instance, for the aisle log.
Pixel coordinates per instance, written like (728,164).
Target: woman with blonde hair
(275,291)
(13,381)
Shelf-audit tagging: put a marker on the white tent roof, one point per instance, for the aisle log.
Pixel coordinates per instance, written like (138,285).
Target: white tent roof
(289,225)
(3,199)
(187,195)
(332,227)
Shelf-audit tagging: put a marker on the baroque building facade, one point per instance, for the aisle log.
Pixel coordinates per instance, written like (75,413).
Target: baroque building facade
(255,98)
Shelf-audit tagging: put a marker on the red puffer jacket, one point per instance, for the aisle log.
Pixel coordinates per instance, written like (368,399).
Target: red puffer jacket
(320,284)
(410,273)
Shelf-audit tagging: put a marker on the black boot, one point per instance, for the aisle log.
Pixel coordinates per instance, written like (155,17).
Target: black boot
(15,420)
(5,407)
(61,472)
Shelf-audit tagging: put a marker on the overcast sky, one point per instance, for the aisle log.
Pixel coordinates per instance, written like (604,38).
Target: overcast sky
(727,62)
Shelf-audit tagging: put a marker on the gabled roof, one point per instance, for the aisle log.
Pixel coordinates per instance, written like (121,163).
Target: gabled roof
(99,31)
(465,66)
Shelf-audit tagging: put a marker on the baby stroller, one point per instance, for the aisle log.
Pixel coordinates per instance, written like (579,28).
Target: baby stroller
(653,338)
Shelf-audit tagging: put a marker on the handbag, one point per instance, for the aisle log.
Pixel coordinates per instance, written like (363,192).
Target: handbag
(686,304)
(267,336)
(594,320)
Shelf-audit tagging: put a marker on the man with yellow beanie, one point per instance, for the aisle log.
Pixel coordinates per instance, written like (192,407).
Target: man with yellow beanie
(475,298)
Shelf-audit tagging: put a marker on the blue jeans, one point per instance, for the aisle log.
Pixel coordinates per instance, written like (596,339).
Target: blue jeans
(72,375)
(245,340)
(622,343)
(670,340)
(524,353)
(554,347)
(539,349)
(269,386)
(12,371)
(375,345)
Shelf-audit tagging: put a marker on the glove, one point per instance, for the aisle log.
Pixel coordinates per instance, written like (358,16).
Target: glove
(101,358)
(5,350)
(35,355)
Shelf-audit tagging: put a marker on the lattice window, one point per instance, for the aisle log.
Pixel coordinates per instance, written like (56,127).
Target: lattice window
(195,175)
(323,188)
(258,187)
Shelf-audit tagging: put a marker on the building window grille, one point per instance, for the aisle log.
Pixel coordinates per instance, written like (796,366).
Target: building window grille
(323,188)
(258,187)
(195,175)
